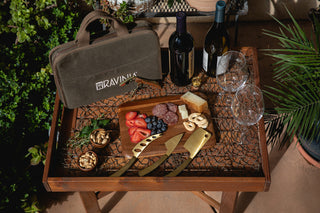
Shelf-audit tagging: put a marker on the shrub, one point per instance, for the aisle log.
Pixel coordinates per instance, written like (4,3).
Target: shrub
(28,31)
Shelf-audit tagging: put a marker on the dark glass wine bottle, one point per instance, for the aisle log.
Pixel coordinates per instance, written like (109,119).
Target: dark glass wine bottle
(181,53)
(217,41)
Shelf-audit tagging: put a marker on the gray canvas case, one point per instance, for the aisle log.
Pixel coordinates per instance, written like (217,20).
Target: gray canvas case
(86,71)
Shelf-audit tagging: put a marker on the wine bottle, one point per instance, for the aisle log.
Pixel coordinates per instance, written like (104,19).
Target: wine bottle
(181,53)
(217,41)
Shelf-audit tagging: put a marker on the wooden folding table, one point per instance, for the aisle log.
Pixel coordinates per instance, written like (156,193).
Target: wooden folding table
(228,166)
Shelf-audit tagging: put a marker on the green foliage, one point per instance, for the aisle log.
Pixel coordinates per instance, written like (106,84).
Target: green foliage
(22,13)
(122,13)
(82,138)
(170,2)
(95,124)
(38,154)
(297,76)
(28,31)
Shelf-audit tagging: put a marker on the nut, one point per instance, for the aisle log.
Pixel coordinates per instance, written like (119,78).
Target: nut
(87,160)
(190,126)
(104,141)
(100,136)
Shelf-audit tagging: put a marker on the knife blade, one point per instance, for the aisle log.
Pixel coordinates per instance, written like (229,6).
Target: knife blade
(136,152)
(193,144)
(171,144)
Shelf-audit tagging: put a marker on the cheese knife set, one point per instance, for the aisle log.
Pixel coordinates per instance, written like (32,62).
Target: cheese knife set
(193,145)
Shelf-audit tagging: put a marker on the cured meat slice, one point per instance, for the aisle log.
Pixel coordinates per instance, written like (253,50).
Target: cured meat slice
(172,107)
(160,110)
(171,118)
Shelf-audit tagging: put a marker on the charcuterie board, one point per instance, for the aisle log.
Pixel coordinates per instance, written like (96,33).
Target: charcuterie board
(157,147)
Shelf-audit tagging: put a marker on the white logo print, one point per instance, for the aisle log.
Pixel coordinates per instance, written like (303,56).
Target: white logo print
(113,81)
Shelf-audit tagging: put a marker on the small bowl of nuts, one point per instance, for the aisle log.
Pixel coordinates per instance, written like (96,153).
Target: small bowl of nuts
(87,161)
(99,138)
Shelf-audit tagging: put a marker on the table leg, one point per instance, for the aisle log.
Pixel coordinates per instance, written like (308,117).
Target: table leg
(90,202)
(228,202)
(102,194)
(113,201)
(212,202)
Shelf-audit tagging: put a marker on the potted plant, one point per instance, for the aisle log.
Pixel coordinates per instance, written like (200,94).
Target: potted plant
(297,94)
(135,6)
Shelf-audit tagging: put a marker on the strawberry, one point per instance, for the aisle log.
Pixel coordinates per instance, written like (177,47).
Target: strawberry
(140,122)
(144,133)
(135,138)
(144,116)
(137,126)
(132,129)
(130,123)
(131,115)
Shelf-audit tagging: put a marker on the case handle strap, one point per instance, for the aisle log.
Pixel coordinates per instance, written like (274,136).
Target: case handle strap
(83,36)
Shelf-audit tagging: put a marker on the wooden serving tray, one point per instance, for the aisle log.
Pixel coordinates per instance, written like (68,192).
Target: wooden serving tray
(226,167)
(158,146)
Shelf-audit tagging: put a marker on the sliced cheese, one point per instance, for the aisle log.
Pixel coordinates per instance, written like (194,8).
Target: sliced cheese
(183,111)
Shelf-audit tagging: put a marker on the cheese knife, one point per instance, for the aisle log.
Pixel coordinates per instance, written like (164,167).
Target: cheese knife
(171,144)
(136,152)
(193,144)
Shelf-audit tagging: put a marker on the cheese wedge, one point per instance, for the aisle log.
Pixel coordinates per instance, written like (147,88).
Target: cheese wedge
(194,101)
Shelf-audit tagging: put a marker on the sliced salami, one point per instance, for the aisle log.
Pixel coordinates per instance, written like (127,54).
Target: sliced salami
(172,107)
(160,110)
(171,118)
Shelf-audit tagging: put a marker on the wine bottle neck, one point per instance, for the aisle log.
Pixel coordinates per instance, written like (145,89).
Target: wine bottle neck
(220,8)
(218,25)
(181,23)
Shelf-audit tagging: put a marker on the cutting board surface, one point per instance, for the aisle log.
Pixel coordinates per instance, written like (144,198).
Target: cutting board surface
(157,147)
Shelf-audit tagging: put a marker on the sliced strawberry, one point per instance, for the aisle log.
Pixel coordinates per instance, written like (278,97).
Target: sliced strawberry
(140,122)
(131,115)
(144,133)
(135,138)
(132,129)
(130,123)
(144,116)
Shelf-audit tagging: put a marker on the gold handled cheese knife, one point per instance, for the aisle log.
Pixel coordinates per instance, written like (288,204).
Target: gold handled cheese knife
(136,152)
(171,144)
(194,143)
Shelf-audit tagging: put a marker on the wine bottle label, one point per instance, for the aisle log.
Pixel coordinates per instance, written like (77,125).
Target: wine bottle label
(205,60)
(191,63)
(219,68)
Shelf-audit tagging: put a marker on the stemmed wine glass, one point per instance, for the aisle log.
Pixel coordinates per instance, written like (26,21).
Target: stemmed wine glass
(231,72)
(247,108)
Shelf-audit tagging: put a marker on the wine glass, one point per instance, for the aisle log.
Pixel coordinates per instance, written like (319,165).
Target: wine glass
(247,108)
(231,73)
